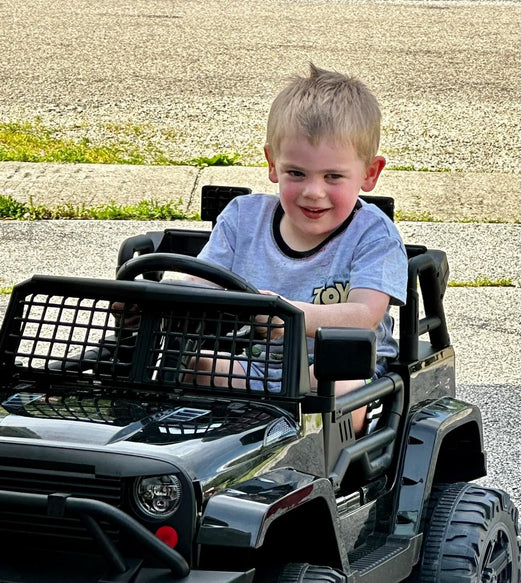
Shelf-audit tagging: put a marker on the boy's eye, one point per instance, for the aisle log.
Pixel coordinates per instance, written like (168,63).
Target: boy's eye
(334,176)
(295,173)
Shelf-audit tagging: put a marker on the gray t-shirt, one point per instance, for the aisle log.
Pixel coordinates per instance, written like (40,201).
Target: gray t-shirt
(365,252)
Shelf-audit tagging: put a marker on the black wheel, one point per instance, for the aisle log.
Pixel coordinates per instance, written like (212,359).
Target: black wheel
(472,537)
(305,573)
(158,262)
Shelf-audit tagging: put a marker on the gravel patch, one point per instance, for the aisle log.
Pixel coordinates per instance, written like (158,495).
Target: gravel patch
(196,78)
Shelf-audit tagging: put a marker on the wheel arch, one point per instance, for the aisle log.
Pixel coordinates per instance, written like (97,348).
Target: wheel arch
(313,537)
(443,444)
(249,521)
(461,456)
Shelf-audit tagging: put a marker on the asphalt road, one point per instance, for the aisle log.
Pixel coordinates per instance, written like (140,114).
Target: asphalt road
(195,78)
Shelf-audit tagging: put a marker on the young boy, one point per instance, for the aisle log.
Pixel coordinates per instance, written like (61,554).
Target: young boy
(335,257)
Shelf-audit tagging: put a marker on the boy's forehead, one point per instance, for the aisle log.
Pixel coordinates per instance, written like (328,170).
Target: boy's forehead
(301,146)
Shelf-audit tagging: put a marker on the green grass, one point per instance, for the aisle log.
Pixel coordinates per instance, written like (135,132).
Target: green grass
(475,283)
(426,217)
(224,159)
(123,143)
(415,217)
(150,210)
(11,208)
(484,282)
(34,142)
(411,168)
(146,210)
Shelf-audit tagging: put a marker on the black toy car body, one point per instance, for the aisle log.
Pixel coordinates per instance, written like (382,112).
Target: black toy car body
(126,456)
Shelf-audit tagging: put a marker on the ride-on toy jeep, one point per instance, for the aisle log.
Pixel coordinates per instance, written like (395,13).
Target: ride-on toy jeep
(128,456)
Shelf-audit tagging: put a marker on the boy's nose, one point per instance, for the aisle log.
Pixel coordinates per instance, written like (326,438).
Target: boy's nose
(313,189)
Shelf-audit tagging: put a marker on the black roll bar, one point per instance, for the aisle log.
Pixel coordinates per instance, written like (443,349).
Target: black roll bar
(424,268)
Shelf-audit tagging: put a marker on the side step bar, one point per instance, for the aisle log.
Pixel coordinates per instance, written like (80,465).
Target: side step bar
(390,562)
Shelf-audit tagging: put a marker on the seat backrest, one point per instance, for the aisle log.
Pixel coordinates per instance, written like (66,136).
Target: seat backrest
(190,242)
(215,198)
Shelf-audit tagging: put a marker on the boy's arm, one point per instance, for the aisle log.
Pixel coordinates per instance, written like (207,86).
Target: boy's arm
(364,308)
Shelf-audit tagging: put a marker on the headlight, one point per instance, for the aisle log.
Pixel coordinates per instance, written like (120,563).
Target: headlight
(158,496)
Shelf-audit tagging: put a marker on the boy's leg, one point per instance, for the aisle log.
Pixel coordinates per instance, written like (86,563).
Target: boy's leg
(359,415)
(215,371)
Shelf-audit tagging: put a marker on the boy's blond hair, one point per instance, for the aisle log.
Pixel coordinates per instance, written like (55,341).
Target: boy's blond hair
(326,105)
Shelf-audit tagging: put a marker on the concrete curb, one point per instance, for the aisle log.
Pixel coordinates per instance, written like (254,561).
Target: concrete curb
(445,196)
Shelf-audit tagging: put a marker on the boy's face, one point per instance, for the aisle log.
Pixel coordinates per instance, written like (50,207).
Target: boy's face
(319,185)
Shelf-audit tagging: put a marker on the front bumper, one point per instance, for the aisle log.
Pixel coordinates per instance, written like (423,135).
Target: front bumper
(110,566)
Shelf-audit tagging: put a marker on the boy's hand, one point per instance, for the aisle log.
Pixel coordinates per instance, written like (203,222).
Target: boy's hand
(269,324)
(130,321)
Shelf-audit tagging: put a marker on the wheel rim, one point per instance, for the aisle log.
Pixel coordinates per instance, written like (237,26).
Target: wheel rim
(498,558)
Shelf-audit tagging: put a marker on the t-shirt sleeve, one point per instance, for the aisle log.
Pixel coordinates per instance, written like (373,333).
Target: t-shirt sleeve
(381,264)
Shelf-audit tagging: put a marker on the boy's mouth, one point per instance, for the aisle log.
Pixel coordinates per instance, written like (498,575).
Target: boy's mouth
(313,213)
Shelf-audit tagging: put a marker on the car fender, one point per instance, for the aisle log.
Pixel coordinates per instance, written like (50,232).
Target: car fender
(240,516)
(443,443)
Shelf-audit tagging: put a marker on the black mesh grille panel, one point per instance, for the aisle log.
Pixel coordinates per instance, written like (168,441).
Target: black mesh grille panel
(164,337)
(37,528)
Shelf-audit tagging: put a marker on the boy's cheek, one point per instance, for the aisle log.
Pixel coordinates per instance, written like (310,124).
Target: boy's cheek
(287,198)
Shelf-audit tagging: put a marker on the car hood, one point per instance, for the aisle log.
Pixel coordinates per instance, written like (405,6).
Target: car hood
(205,435)
(99,419)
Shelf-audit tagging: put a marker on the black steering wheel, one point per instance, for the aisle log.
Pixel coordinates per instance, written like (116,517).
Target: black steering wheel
(153,262)
(160,262)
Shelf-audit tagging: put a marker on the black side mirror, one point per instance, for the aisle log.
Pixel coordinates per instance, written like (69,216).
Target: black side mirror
(343,354)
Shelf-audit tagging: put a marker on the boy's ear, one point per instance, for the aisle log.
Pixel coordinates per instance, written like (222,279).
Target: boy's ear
(372,173)
(272,171)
